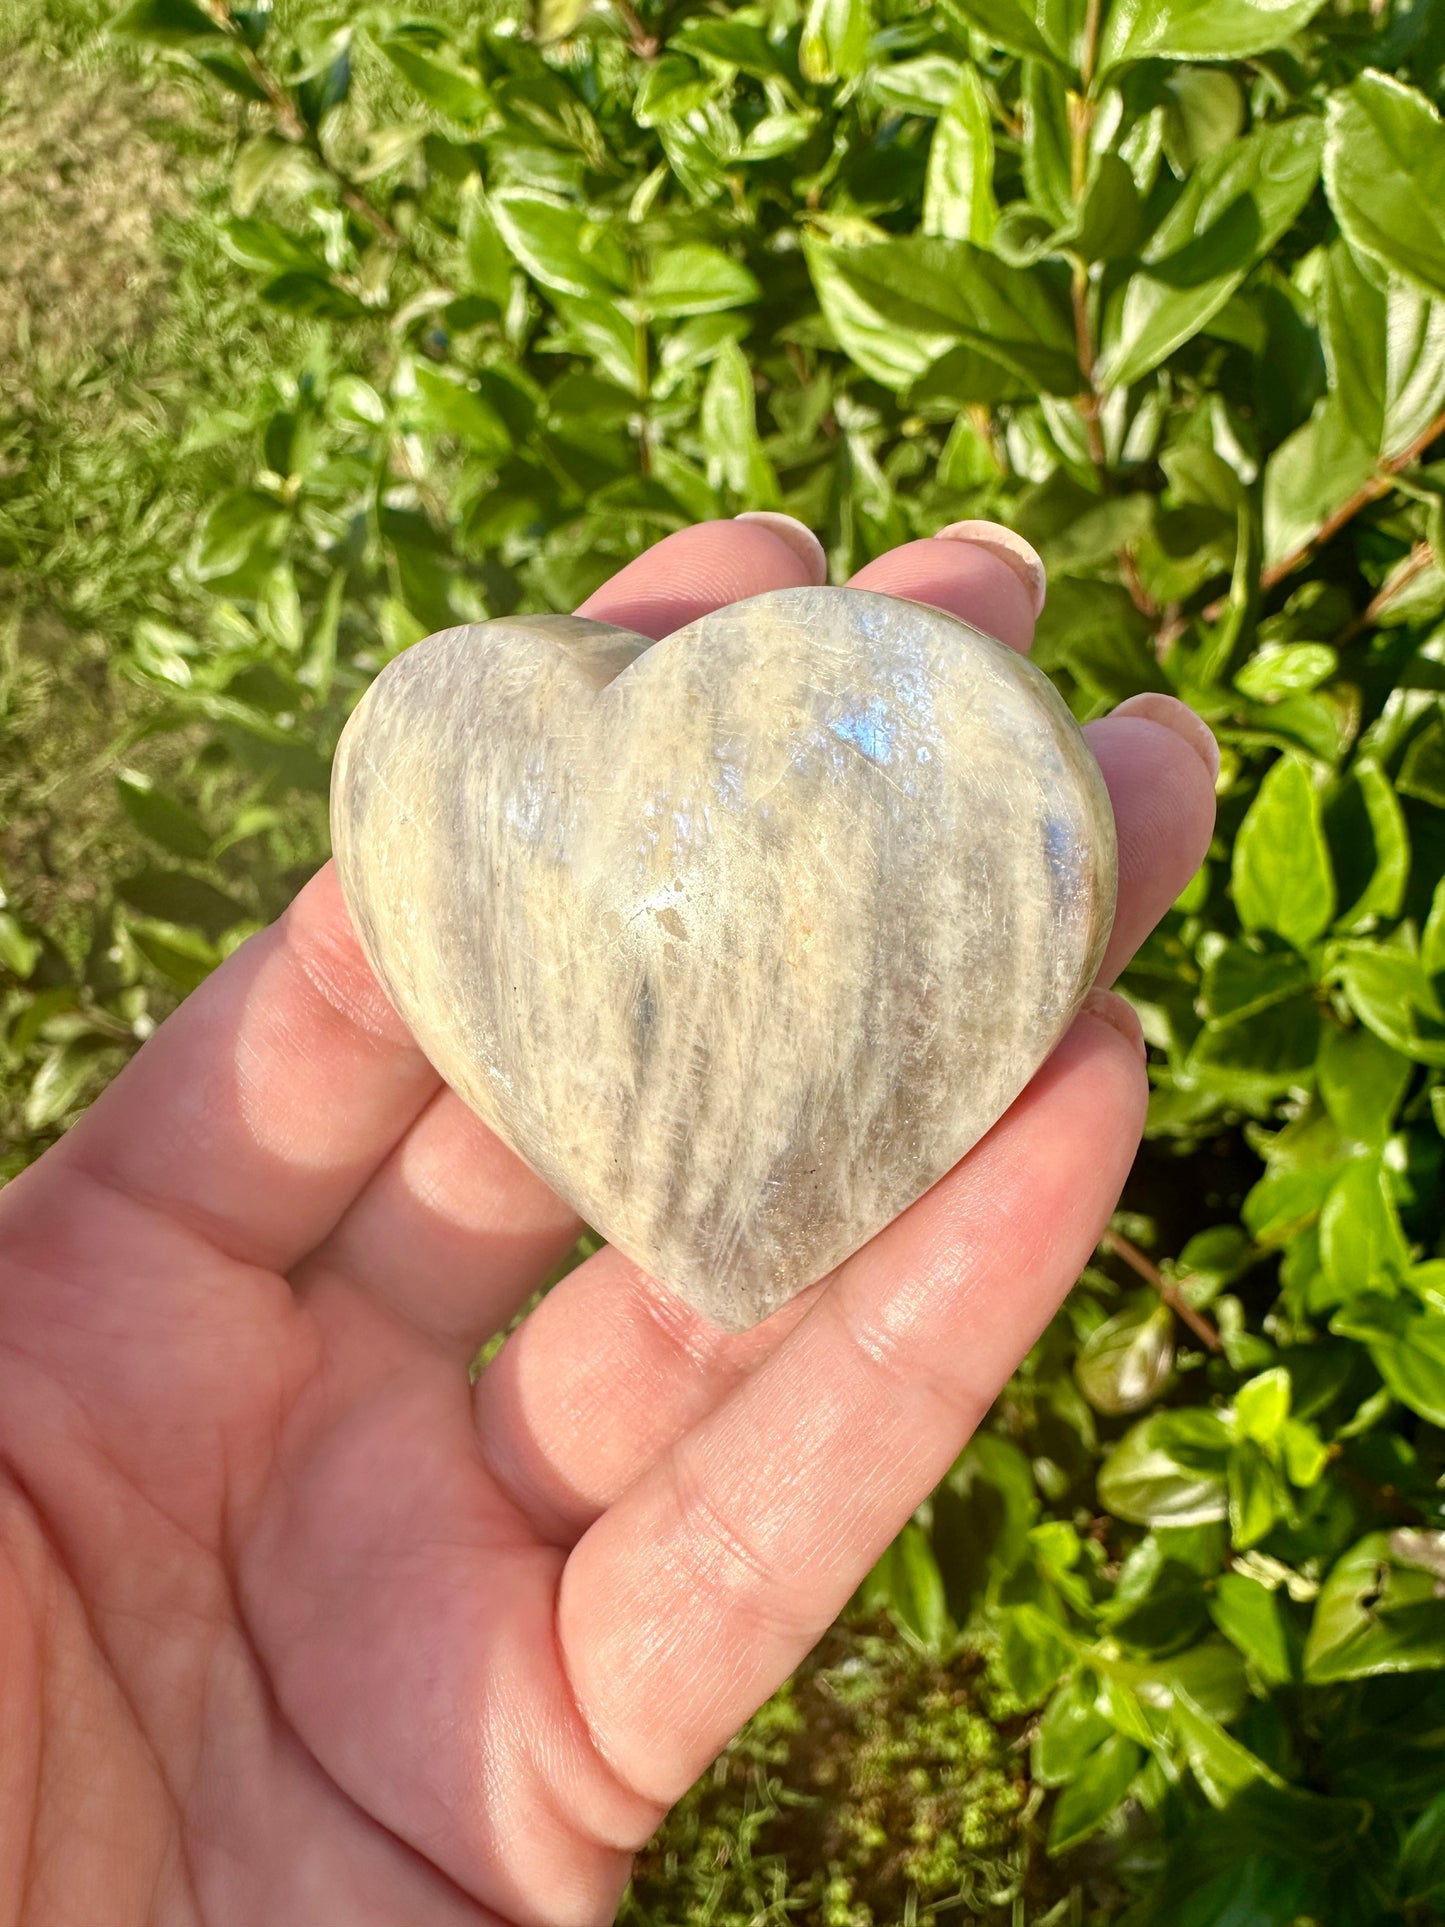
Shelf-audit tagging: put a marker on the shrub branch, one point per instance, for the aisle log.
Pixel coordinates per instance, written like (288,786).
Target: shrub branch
(1380,483)
(1173,1297)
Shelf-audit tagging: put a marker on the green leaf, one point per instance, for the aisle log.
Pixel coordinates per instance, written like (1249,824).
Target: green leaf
(559,245)
(1070,1730)
(1422,774)
(1048,153)
(1355,337)
(274,250)
(1231,212)
(1255,1619)
(1422,1857)
(897,306)
(20,950)
(1361,1082)
(1168,1470)
(65,1074)
(1360,1237)
(1376,1613)
(1406,1341)
(235,526)
(316,295)
(1111,219)
(696,279)
(906,1583)
(183,957)
(1198,29)
(1280,873)
(181,897)
(958,197)
(1034,1652)
(728,423)
(168,22)
(1432,937)
(1223,1767)
(1206,113)
(442,83)
(1088,1800)
(455,408)
(834,45)
(1310,475)
(1390,993)
(1256,1060)
(1414,365)
(1238,982)
(1385,175)
(161,817)
(1125,1364)
(1367,828)
(924,85)
(1261,1405)
(1255,1495)
(1014,25)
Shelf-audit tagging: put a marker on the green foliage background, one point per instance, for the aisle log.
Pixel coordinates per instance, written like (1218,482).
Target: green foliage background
(460,307)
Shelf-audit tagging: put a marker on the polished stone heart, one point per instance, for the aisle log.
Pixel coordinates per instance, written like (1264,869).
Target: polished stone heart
(740,939)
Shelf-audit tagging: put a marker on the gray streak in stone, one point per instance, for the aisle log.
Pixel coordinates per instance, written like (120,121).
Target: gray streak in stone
(740,939)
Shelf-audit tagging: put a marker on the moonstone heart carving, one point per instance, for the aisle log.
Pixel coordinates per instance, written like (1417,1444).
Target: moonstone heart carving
(740,939)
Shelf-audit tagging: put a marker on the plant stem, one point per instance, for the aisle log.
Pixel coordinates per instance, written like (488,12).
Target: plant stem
(1146,1269)
(982,419)
(1129,575)
(1081,122)
(1089,51)
(1415,563)
(1084,340)
(1379,484)
(294,129)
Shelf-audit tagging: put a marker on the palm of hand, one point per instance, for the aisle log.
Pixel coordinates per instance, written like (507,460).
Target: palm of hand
(300,1627)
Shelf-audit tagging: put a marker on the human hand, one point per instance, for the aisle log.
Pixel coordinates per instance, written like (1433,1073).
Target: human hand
(299,1629)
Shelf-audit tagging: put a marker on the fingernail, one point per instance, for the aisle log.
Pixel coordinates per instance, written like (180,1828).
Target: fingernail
(798,536)
(1172,714)
(1022,557)
(1118,1014)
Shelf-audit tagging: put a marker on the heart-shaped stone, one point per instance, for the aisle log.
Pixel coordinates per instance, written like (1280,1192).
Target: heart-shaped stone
(740,939)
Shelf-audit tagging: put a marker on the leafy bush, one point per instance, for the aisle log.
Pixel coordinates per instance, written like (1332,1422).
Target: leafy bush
(1163,286)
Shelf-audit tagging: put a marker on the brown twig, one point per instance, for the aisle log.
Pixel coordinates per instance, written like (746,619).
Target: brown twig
(1146,1269)
(1379,484)
(1132,580)
(640,43)
(1415,563)
(1084,343)
(1089,51)
(982,419)
(294,129)
(1081,122)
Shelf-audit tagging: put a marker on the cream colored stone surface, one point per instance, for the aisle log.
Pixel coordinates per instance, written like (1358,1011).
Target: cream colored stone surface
(740,939)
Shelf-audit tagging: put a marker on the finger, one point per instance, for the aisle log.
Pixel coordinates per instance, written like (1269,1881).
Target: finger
(612,1368)
(700,1590)
(977,570)
(603,1376)
(451,1233)
(454,1231)
(256,1112)
(703,568)
(1159,761)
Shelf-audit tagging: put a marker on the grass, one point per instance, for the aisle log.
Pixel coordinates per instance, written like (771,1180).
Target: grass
(874,1788)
